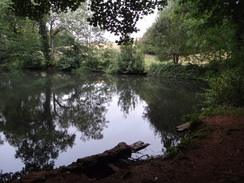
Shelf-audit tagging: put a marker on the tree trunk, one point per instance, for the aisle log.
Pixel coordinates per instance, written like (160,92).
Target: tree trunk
(45,40)
(176,59)
(53,32)
(51,40)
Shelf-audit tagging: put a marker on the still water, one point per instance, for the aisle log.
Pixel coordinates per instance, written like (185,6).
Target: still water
(50,120)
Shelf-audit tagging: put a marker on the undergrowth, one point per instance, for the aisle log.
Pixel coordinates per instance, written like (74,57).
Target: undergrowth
(172,70)
(212,111)
(199,130)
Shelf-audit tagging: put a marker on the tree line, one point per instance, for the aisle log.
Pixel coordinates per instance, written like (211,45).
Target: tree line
(205,32)
(39,34)
(63,39)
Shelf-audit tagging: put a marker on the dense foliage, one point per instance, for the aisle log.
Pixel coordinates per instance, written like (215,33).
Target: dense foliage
(227,88)
(168,36)
(51,33)
(64,41)
(119,17)
(171,70)
(226,85)
(20,43)
(130,60)
(36,9)
(218,11)
(206,32)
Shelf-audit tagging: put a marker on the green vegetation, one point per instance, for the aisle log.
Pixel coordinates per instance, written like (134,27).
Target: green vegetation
(119,17)
(130,60)
(56,35)
(212,33)
(190,39)
(197,130)
(230,129)
(167,38)
(226,88)
(211,111)
(61,41)
(168,69)
(187,142)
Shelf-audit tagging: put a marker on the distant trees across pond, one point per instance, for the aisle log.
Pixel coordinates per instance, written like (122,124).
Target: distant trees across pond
(59,37)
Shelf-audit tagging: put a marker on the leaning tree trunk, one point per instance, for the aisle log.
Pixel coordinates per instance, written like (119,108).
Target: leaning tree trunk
(53,33)
(176,59)
(44,40)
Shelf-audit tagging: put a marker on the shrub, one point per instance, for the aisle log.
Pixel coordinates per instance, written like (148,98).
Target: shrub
(69,59)
(177,70)
(130,60)
(107,60)
(226,88)
(68,63)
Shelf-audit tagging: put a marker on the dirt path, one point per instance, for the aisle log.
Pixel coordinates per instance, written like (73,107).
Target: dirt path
(219,157)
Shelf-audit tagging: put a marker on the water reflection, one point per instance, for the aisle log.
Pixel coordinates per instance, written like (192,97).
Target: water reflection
(37,109)
(167,104)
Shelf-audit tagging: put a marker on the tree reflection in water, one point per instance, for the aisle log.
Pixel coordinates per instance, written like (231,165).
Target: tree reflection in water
(168,103)
(36,110)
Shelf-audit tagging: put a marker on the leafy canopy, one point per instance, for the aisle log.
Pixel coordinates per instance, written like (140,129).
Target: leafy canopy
(120,17)
(36,9)
(116,16)
(221,10)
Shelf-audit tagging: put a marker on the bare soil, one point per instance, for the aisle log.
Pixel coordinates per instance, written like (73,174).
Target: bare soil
(217,158)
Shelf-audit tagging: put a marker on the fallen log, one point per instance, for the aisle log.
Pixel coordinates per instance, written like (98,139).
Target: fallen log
(121,151)
(100,162)
(96,166)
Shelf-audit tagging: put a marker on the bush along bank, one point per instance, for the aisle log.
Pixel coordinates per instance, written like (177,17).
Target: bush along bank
(171,70)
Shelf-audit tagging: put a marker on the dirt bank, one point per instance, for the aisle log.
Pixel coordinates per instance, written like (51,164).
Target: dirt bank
(218,157)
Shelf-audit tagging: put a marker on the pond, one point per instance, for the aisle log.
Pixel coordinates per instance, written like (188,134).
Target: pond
(50,120)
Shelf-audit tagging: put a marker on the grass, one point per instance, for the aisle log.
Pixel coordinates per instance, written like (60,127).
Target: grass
(150,59)
(230,129)
(212,111)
